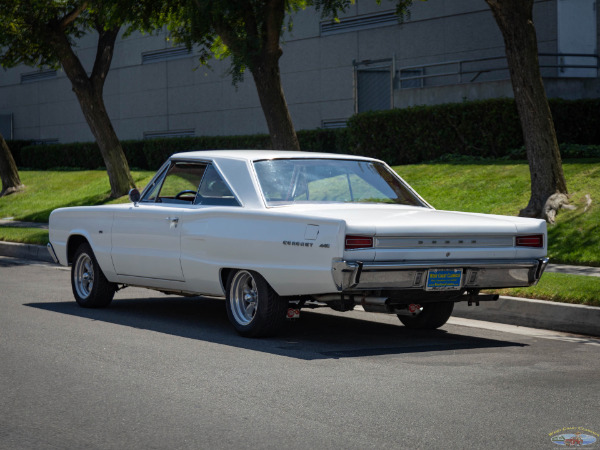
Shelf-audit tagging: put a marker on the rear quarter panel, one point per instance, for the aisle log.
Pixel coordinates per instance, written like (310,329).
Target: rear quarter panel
(293,253)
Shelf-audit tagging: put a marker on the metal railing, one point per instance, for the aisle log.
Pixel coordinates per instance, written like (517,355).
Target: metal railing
(495,68)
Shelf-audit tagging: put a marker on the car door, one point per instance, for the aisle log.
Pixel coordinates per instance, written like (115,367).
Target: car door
(146,237)
(146,242)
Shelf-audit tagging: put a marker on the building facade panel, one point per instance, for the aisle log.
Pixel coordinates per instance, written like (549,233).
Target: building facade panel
(445,51)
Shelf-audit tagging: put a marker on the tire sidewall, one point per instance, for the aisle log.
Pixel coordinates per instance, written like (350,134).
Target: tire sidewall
(102,291)
(434,315)
(268,317)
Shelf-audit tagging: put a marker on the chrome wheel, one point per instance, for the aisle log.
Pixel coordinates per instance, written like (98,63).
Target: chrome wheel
(253,307)
(90,287)
(83,275)
(243,297)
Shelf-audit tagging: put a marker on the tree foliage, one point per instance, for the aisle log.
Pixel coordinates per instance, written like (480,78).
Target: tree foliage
(249,32)
(44,33)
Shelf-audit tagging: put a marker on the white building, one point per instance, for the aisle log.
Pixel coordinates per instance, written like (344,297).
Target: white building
(447,51)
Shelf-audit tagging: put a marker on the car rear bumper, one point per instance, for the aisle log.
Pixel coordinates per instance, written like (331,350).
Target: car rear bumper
(484,274)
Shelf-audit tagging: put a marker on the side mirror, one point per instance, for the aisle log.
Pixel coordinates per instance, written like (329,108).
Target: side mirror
(134,195)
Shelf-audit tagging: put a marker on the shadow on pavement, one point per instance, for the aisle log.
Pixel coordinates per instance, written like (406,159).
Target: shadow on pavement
(314,336)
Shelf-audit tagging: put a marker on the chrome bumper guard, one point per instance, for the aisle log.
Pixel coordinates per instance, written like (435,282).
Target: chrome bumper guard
(52,252)
(484,274)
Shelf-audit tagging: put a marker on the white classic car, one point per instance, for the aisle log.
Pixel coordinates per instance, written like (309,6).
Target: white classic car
(277,231)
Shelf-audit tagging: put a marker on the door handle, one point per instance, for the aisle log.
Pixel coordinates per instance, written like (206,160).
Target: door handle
(173,221)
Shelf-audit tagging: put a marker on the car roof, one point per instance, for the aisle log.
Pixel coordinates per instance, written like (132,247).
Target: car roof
(255,155)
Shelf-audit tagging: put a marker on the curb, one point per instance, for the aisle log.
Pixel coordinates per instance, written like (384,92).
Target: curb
(25,251)
(577,319)
(566,317)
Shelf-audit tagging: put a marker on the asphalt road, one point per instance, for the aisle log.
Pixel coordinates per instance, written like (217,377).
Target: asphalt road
(156,371)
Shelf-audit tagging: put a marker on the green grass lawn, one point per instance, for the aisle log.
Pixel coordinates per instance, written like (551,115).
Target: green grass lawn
(48,190)
(560,287)
(24,235)
(494,188)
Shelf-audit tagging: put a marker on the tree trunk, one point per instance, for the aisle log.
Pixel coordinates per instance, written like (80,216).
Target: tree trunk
(11,182)
(89,92)
(259,48)
(515,20)
(272,100)
(94,111)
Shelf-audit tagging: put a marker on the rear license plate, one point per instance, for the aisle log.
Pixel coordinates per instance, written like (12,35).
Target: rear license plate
(443,280)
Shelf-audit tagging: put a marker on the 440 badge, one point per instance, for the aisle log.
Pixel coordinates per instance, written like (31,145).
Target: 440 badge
(574,437)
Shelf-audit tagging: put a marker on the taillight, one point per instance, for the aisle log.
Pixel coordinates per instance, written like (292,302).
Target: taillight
(533,240)
(355,242)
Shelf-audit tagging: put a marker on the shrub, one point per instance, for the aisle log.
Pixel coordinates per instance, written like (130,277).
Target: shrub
(83,155)
(15,147)
(483,129)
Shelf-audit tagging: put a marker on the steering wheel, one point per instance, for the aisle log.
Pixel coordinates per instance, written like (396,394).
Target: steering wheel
(187,191)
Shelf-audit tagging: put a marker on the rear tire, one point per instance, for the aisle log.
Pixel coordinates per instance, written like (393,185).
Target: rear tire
(433,316)
(90,287)
(253,307)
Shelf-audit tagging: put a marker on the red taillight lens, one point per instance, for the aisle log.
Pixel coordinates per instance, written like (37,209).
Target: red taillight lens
(534,240)
(354,242)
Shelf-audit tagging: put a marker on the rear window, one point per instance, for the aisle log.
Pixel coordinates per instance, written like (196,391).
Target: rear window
(285,181)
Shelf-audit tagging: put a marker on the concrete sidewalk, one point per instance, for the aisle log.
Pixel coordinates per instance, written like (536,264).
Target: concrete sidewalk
(8,222)
(574,270)
(577,319)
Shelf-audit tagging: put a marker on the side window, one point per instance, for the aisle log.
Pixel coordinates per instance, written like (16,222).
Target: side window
(214,191)
(154,188)
(179,185)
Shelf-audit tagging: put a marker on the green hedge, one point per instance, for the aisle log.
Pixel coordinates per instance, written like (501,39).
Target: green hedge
(577,121)
(423,133)
(15,147)
(477,129)
(482,129)
(151,153)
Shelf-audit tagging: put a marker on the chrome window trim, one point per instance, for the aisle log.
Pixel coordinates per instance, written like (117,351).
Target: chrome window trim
(408,187)
(164,169)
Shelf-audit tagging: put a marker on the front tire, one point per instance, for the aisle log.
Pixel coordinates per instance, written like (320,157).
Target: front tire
(90,287)
(433,316)
(253,307)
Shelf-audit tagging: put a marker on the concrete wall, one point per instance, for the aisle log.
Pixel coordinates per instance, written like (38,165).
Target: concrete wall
(318,73)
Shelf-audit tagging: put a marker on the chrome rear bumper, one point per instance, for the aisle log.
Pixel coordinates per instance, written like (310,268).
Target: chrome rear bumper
(484,274)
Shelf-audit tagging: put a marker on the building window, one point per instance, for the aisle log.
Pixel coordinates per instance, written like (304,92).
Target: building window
(165,55)
(169,134)
(38,75)
(359,23)
(329,124)
(411,78)
(373,85)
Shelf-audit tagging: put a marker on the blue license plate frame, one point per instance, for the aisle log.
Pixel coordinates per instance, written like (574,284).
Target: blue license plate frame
(444,280)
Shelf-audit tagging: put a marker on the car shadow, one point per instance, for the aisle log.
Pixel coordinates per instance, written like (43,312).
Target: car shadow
(314,336)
